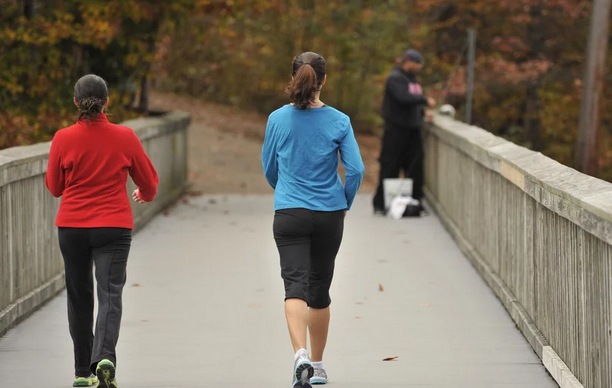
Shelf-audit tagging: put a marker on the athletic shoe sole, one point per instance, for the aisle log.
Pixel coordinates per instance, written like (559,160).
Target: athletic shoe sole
(106,374)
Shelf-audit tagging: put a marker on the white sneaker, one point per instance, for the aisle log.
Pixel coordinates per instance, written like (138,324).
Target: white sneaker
(303,371)
(319,377)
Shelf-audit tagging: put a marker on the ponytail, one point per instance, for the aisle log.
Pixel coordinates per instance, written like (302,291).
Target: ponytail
(90,108)
(308,75)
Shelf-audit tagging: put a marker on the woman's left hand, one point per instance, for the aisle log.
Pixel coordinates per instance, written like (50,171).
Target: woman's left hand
(136,197)
(431,102)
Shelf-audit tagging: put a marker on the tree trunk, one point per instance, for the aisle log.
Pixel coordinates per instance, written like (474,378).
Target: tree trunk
(532,116)
(29,8)
(309,32)
(143,105)
(590,114)
(535,38)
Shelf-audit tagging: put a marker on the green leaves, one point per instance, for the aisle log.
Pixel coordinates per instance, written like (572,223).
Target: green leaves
(44,56)
(240,52)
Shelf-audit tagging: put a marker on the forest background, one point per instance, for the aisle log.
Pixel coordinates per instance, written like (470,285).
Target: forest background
(529,63)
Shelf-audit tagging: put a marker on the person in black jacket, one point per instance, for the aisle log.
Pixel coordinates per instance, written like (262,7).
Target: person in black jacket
(403,111)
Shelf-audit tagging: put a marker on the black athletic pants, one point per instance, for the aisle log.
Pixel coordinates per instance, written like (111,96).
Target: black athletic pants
(402,149)
(108,249)
(308,242)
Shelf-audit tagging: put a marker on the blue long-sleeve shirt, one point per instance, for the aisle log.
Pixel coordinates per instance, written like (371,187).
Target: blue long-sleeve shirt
(300,159)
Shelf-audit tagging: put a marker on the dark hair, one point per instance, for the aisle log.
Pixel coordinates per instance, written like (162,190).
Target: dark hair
(91,94)
(308,75)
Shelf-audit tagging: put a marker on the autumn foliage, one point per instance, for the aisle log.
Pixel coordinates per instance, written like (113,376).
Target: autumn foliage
(530,58)
(45,46)
(529,66)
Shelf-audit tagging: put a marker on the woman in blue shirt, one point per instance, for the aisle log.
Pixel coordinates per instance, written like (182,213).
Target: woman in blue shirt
(300,161)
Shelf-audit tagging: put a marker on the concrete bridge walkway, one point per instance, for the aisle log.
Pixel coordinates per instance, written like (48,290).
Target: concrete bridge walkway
(203,308)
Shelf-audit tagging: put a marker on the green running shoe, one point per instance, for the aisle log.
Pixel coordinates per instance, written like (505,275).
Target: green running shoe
(85,381)
(106,374)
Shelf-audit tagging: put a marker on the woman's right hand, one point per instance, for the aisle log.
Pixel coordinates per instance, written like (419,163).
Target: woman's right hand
(136,197)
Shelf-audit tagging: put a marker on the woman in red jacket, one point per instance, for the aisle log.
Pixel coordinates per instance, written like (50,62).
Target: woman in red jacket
(88,167)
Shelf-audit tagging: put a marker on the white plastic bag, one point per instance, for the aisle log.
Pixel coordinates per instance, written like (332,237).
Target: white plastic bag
(399,204)
(398,207)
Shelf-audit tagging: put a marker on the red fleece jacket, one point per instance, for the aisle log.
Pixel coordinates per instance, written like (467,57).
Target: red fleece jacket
(88,168)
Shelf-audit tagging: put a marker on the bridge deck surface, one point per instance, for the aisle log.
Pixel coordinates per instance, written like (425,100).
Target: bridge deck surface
(203,308)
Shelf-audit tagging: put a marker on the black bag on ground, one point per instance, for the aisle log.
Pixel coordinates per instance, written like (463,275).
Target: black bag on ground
(413,211)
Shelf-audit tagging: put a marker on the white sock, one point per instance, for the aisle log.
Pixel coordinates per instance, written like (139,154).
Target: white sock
(300,352)
(318,364)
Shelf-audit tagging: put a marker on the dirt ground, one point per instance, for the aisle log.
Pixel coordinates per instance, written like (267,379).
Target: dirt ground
(224,146)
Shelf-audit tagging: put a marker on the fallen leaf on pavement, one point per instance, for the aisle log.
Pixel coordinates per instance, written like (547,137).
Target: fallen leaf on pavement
(380,288)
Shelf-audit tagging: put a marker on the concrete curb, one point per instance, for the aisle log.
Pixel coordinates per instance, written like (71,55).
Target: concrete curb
(28,304)
(551,360)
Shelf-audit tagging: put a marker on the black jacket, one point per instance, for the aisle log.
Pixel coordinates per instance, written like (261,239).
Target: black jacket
(404,102)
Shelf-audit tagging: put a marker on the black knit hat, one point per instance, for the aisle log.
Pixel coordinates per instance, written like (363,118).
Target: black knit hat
(412,56)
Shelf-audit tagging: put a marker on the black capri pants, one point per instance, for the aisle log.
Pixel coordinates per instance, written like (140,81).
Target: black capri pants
(308,242)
